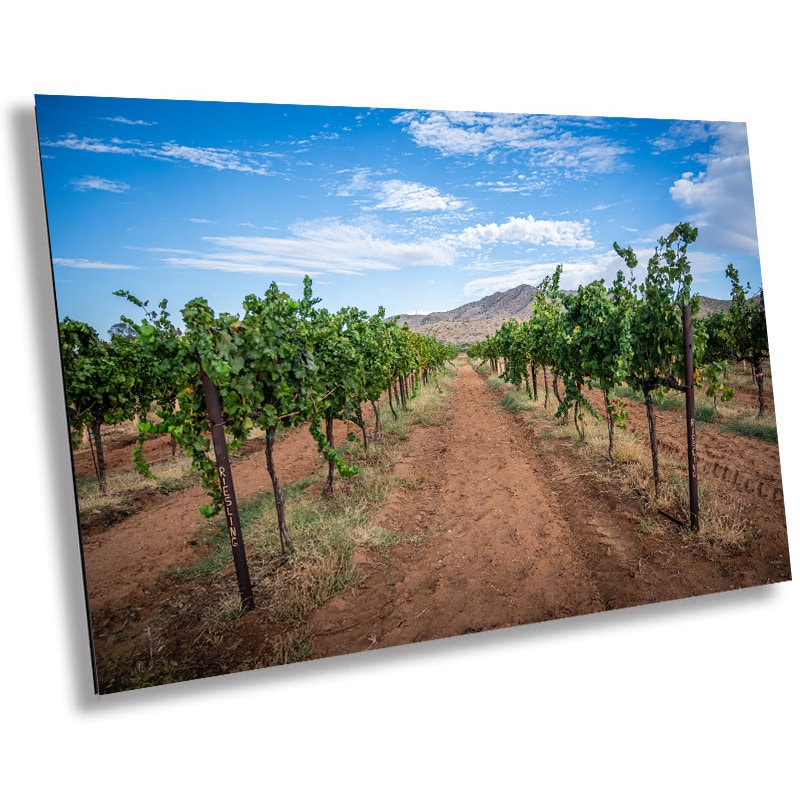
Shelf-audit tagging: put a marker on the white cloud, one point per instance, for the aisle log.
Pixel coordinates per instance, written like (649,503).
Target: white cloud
(523,184)
(399,195)
(236,262)
(527,230)
(538,137)
(704,263)
(90,145)
(581,154)
(721,197)
(465,133)
(682,134)
(357,241)
(125,121)
(331,246)
(92,182)
(532,275)
(446,134)
(213,157)
(82,263)
(574,274)
(360,181)
(326,246)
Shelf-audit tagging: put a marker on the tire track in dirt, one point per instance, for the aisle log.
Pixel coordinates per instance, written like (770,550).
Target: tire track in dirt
(629,569)
(746,468)
(720,454)
(494,554)
(742,476)
(518,529)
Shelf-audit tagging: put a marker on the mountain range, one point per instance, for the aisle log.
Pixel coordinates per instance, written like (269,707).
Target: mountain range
(475,321)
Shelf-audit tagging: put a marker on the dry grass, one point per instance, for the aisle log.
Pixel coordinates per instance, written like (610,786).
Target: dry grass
(325,533)
(170,475)
(725,528)
(630,448)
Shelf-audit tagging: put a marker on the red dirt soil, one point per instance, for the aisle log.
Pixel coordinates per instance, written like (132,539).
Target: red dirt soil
(514,528)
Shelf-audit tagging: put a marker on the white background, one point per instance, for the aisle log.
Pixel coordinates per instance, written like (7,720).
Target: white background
(695,698)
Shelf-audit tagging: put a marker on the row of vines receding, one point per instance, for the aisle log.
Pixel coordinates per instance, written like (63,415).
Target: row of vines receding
(631,334)
(280,363)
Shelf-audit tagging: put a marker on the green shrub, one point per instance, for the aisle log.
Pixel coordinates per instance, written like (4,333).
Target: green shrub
(757,429)
(516,401)
(705,413)
(495,383)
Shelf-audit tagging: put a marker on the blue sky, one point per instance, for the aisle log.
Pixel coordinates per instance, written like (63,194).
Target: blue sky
(414,210)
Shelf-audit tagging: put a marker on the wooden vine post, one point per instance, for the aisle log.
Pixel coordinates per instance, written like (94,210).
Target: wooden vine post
(691,429)
(226,487)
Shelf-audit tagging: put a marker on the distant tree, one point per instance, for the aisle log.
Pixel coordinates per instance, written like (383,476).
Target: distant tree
(99,384)
(718,344)
(747,330)
(545,329)
(122,329)
(156,382)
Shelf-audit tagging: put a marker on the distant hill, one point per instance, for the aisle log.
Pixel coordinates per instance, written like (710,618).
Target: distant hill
(512,303)
(708,305)
(475,321)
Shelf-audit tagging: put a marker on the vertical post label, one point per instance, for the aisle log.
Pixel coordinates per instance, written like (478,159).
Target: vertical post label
(228,503)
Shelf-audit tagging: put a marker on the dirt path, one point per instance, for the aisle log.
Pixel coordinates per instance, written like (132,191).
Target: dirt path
(491,557)
(504,526)
(516,531)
